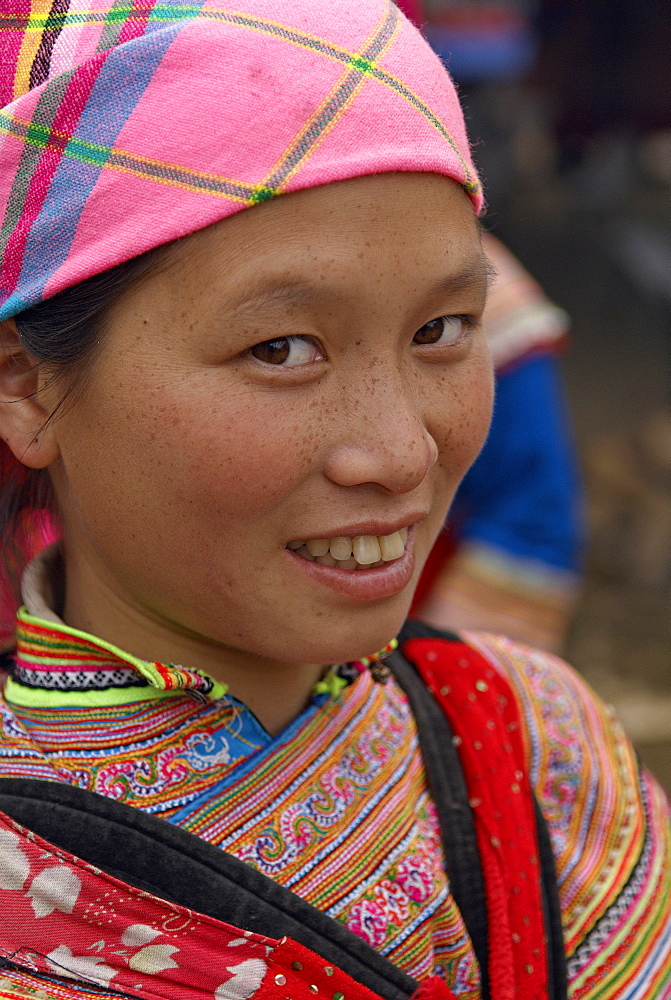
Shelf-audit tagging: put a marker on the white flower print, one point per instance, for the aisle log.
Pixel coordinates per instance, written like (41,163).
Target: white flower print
(64,963)
(247,977)
(54,889)
(138,934)
(14,865)
(154,958)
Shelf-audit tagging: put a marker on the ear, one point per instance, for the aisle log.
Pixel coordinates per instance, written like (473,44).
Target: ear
(23,413)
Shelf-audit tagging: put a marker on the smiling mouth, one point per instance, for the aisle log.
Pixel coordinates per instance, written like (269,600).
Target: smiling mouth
(359,552)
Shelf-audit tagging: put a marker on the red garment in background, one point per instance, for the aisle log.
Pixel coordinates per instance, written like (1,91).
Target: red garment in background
(413,10)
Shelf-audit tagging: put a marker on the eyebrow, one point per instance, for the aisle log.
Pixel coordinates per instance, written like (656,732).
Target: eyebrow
(474,273)
(478,271)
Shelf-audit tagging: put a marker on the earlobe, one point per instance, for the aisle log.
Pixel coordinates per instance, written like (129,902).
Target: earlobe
(23,415)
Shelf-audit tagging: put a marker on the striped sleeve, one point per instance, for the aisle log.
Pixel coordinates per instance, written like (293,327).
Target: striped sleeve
(609,825)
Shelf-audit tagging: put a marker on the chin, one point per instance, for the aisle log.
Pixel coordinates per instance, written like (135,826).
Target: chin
(355,634)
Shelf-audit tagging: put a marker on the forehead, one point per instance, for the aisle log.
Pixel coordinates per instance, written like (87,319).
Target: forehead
(339,237)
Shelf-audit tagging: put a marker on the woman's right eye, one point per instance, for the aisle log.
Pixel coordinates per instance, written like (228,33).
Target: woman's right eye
(287,352)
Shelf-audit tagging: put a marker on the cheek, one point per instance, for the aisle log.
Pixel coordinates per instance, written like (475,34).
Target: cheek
(247,451)
(182,461)
(461,414)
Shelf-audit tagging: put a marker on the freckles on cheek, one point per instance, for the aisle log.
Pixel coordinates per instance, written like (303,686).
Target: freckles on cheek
(250,450)
(464,423)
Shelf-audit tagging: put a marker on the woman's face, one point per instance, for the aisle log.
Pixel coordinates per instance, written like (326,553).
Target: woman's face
(289,377)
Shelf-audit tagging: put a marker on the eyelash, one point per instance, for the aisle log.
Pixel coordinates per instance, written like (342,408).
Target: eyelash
(468,325)
(285,340)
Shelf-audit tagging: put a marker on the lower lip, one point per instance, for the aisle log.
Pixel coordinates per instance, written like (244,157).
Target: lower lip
(364,584)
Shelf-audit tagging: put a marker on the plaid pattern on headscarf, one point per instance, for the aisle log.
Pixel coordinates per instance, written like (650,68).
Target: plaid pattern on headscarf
(127,124)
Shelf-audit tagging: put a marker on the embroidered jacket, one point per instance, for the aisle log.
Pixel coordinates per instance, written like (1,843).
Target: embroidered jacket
(519,721)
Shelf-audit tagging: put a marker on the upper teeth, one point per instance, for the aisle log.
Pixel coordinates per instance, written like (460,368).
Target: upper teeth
(362,550)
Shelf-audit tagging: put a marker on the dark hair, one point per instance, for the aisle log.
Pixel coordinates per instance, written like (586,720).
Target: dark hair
(62,334)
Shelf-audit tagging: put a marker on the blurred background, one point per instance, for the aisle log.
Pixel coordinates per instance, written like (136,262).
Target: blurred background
(569,106)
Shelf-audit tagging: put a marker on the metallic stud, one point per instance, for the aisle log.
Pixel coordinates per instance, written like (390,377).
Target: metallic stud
(314,989)
(280,979)
(445,690)
(328,969)
(482,685)
(338,996)
(380,672)
(297,966)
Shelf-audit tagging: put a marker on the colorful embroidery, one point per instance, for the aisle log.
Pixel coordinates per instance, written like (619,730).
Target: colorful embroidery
(336,807)
(123,942)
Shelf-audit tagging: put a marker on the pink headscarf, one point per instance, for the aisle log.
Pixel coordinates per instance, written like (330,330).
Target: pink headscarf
(122,128)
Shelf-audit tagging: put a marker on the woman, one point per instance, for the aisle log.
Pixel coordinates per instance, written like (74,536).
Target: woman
(251,433)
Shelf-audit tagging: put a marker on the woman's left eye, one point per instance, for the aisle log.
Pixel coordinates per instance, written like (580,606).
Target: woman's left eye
(444,330)
(286,352)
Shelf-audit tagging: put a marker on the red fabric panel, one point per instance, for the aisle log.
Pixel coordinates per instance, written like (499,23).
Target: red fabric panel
(62,916)
(481,709)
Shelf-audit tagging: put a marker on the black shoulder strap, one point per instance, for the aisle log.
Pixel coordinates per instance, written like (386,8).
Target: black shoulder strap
(554,933)
(178,866)
(448,790)
(459,844)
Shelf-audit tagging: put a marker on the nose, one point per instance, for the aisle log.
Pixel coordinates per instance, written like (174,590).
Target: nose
(384,440)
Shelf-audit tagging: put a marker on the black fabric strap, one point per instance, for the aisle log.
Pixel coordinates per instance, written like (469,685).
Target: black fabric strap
(554,934)
(180,867)
(449,793)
